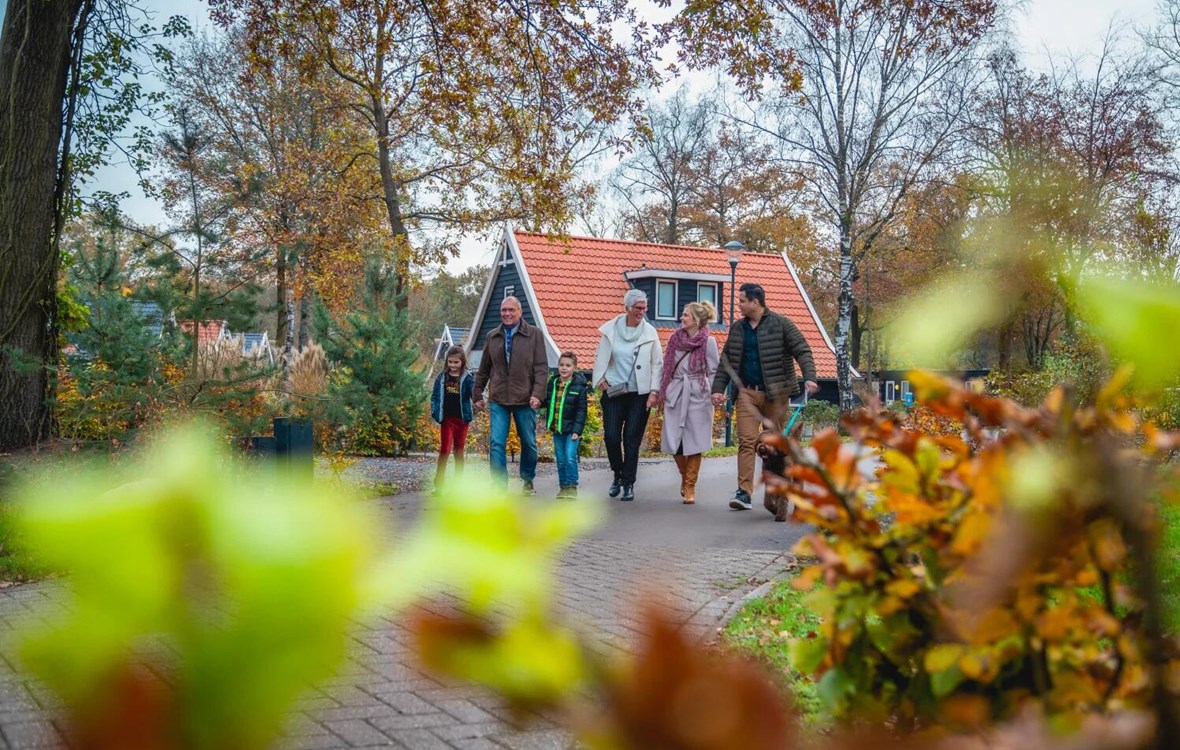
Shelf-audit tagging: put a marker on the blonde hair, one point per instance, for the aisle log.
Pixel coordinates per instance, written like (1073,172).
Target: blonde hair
(703,311)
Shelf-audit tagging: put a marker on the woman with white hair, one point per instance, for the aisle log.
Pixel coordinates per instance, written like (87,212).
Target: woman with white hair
(627,371)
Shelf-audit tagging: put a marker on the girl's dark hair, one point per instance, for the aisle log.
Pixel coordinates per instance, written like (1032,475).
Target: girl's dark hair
(459,353)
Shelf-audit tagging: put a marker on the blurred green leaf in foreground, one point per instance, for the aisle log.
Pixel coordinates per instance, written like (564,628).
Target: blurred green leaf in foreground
(203,597)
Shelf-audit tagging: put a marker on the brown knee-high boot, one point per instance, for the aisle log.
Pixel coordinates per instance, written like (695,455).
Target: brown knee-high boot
(692,467)
(680,466)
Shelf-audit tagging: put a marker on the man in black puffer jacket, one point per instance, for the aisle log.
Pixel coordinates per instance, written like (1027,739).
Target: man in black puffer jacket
(760,354)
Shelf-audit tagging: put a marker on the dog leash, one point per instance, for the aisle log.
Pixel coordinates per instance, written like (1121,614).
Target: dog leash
(795,416)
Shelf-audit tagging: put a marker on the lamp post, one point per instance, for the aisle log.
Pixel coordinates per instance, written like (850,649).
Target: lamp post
(733,253)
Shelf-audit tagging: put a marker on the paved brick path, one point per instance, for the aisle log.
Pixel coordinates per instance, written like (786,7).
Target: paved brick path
(382,699)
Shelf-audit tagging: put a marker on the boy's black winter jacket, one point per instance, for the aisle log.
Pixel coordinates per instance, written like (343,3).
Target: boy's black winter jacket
(565,416)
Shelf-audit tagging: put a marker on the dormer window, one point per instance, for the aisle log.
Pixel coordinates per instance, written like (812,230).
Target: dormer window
(666,300)
(707,292)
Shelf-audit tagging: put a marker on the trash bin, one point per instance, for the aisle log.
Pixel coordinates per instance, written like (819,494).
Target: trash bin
(295,447)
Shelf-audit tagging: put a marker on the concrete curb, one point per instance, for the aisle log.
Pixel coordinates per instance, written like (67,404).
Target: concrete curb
(783,562)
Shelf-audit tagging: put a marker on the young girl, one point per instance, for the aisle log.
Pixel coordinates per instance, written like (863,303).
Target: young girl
(451,407)
(565,406)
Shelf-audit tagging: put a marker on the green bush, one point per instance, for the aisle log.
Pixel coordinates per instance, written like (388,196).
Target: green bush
(819,414)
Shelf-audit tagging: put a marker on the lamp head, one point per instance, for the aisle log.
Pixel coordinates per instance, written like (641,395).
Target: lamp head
(733,251)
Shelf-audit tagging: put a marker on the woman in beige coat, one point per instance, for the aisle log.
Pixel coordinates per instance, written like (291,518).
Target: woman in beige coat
(689,365)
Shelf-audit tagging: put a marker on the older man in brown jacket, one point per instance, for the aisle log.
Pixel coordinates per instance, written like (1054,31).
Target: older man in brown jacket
(760,354)
(515,369)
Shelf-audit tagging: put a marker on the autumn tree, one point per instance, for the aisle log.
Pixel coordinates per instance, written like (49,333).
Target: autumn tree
(655,183)
(69,72)
(478,111)
(288,133)
(446,299)
(741,191)
(924,240)
(696,178)
(1118,155)
(875,110)
(202,275)
(1163,44)
(1071,170)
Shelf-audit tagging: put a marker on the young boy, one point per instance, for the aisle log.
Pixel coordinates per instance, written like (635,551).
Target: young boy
(565,404)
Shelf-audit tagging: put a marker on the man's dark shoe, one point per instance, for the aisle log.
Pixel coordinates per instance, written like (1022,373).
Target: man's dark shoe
(526,488)
(628,493)
(615,488)
(740,501)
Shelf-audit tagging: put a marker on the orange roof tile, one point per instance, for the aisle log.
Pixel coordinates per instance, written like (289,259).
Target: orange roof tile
(209,330)
(579,284)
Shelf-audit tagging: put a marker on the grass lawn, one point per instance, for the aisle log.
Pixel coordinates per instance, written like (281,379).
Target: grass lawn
(1169,566)
(762,629)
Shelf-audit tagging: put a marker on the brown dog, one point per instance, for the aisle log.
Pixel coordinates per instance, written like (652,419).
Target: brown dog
(772,447)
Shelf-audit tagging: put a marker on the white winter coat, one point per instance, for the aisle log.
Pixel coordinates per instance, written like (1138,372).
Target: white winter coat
(649,362)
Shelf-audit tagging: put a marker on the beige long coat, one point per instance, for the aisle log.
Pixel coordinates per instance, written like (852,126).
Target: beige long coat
(688,408)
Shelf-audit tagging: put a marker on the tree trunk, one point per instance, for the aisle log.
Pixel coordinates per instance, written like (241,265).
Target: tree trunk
(34,70)
(844,320)
(857,335)
(305,318)
(282,306)
(389,189)
(1004,348)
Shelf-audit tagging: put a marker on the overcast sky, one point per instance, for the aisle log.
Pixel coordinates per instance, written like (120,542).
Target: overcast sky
(1044,29)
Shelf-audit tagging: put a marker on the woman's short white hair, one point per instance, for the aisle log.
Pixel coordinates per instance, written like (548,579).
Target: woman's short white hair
(632,296)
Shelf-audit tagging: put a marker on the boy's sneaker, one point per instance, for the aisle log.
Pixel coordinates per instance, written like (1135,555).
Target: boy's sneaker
(740,501)
(526,488)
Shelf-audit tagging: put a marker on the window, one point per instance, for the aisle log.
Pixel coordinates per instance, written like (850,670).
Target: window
(509,290)
(890,392)
(666,300)
(708,293)
(905,393)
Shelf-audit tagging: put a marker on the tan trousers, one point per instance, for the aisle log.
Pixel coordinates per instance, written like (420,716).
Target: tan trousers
(750,409)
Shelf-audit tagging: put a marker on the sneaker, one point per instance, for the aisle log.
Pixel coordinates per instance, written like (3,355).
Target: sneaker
(740,501)
(628,493)
(615,488)
(526,488)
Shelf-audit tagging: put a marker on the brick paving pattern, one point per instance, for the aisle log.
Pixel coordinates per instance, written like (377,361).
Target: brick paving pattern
(382,699)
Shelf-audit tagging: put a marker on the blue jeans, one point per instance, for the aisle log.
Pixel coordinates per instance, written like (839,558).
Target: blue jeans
(565,454)
(526,429)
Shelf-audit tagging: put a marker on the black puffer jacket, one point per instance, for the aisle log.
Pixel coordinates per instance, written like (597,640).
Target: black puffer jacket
(566,416)
(780,346)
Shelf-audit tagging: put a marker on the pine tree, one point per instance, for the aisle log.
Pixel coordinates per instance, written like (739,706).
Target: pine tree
(376,392)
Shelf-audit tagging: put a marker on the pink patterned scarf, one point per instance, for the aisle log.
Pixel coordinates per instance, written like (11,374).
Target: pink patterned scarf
(682,342)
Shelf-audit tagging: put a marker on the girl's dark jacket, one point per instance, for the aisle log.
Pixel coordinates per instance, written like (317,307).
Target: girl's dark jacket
(466,389)
(567,416)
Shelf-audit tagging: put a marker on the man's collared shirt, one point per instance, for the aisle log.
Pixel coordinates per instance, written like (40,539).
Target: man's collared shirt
(508,334)
(751,367)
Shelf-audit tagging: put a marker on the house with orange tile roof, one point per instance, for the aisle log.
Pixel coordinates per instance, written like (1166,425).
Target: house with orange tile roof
(569,286)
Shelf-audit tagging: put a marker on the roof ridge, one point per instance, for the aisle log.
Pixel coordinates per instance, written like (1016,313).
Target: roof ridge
(547,235)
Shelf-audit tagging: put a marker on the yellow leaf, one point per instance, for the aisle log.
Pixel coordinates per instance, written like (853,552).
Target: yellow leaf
(942,657)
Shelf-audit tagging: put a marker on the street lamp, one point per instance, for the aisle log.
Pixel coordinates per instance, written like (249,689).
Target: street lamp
(733,253)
